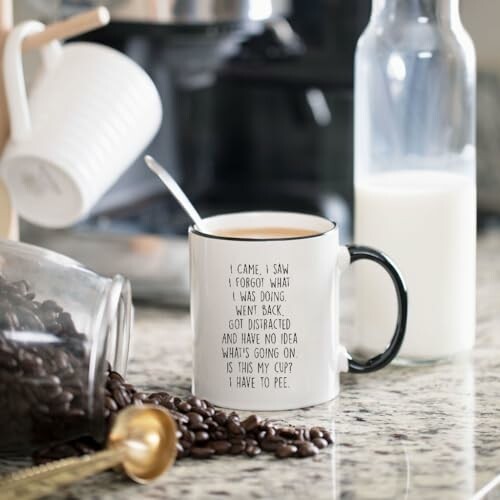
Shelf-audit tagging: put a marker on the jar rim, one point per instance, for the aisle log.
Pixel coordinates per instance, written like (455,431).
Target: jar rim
(118,312)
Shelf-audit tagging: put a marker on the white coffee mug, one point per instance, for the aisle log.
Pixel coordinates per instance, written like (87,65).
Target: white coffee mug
(90,113)
(265,312)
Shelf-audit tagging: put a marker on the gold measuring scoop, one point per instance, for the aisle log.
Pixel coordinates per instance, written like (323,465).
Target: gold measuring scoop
(142,441)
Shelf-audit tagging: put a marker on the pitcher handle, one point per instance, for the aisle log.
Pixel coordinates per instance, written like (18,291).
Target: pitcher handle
(15,86)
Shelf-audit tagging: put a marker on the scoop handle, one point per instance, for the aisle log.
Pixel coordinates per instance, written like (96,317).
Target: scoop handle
(36,482)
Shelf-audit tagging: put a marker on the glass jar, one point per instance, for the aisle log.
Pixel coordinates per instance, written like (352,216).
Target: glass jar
(60,324)
(415,172)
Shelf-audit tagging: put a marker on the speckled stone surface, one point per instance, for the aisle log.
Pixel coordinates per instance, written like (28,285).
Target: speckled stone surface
(422,433)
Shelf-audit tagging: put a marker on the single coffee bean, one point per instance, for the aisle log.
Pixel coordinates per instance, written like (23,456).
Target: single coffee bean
(184,407)
(234,427)
(327,436)
(119,397)
(110,404)
(194,418)
(251,423)
(220,447)
(211,424)
(286,451)
(115,377)
(220,417)
(77,412)
(52,392)
(200,411)
(50,305)
(272,443)
(261,435)
(252,451)
(289,433)
(201,436)
(64,397)
(315,432)
(237,448)
(190,436)
(237,440)
(28,320)
(320,443)
(137,400)
(180,417)
(270,432)
(199,427)
(220,434)
(194,402)
(307,449)
(201,452)
(169,405)
(185,444)
(49,380)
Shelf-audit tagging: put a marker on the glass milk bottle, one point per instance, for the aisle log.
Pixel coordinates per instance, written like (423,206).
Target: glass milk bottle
(415,165)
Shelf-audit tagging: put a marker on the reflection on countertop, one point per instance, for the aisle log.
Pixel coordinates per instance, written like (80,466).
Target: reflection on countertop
(405,432)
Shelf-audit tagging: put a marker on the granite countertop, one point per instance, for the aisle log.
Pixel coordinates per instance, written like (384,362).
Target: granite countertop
(404,432)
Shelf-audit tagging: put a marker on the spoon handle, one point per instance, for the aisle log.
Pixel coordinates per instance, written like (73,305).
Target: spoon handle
(35,482)
(175,190)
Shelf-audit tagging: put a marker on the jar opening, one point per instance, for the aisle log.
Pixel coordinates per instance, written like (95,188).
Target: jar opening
(111,345)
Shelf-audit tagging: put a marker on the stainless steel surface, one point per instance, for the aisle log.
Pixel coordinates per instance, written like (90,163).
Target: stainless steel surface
(198,12)
(172,11)
(488,145)
(157,266)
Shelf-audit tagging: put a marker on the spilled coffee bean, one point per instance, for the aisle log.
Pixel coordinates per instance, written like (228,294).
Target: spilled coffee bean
(203,431)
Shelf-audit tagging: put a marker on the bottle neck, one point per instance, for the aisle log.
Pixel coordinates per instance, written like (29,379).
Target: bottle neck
(422,11)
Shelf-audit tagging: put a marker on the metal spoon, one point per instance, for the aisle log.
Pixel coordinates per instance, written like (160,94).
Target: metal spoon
(176,191)
(142,441)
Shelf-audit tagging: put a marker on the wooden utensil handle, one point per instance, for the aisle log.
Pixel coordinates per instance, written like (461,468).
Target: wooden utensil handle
(5,15)
(5,26)
(39,481)
(73,26)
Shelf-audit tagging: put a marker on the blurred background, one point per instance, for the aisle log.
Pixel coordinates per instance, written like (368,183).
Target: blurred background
(258,114)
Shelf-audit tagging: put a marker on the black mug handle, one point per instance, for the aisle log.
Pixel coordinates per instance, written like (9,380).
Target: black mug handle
(377,362)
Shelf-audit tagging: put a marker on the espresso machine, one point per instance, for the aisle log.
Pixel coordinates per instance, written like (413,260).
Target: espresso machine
(257,98)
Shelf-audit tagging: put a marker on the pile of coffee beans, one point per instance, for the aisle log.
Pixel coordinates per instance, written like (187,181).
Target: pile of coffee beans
(44,395)
(202,430)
